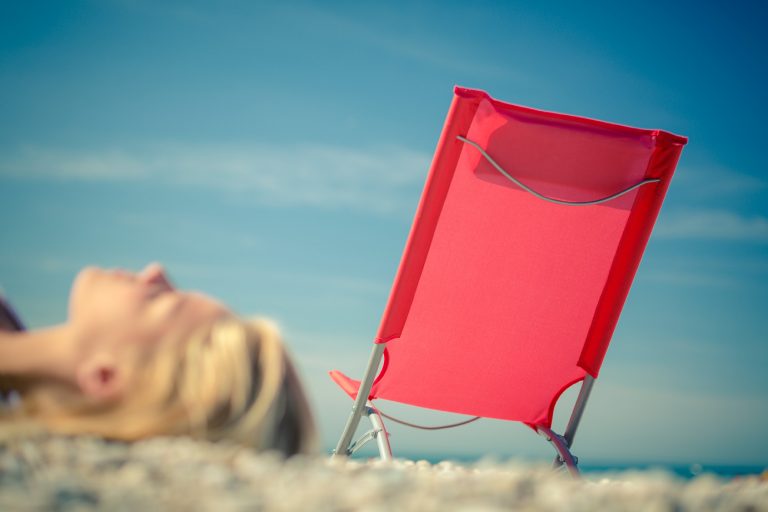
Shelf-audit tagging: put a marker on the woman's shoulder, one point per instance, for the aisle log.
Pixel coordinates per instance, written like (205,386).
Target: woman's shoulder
(9,320)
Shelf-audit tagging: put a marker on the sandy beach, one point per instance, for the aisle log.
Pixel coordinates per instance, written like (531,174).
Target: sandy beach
(83,474)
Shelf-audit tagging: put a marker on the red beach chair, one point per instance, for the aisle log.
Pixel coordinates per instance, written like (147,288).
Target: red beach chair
(523,249)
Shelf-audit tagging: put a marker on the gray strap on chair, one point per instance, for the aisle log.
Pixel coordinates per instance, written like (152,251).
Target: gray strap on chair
(423,427)
(552,199)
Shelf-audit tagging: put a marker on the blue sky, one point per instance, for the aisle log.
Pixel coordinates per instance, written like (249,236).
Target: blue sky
(273,156)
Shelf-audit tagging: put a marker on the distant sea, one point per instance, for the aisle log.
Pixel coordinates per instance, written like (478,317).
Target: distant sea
(681,470)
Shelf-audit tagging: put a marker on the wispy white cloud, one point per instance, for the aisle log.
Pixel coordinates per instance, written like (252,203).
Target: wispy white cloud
(381,179)
(708,269)
(102,165)
(684,424)
(713,225)
(179,11)
(395,39)
(711,180)
(695,279)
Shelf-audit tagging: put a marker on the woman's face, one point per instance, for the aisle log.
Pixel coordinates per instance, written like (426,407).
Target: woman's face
(116,306)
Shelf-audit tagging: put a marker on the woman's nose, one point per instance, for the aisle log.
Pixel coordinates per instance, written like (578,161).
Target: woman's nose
(154,273)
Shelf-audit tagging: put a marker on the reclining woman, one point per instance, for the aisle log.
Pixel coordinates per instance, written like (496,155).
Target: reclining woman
(138,358)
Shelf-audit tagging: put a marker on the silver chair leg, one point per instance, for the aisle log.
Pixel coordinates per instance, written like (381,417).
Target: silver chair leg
(564,455)
(562,444)
(377,432)
(381,434)
(343,446)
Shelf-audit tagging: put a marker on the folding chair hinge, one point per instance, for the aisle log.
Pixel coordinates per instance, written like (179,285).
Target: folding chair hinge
(560,460)
(363,440)
(552,435)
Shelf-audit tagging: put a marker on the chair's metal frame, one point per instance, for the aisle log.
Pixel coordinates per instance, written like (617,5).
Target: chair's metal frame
(561,444)
(363,405)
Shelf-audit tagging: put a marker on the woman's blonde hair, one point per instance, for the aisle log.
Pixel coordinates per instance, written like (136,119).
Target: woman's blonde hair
(232,380)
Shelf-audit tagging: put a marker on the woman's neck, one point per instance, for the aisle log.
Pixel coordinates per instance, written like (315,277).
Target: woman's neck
(38,353)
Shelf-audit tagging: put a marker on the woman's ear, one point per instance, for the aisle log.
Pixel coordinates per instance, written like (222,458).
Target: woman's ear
(100,376)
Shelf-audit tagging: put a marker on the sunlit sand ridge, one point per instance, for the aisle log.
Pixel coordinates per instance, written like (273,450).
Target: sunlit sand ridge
(54,473)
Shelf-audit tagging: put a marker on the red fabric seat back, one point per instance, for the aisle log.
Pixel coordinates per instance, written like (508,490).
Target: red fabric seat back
(502,299)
